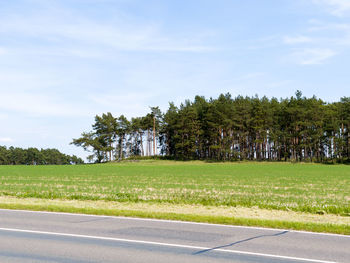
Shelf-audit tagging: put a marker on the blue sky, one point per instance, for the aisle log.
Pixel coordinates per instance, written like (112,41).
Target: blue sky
(64,61)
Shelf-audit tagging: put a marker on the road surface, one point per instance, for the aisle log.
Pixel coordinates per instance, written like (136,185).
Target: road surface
(27,236)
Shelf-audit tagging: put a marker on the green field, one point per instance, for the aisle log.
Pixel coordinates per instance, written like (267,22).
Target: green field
(310,188)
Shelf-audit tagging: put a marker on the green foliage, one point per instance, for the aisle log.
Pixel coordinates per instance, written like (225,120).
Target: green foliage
(228,129)
(33,156)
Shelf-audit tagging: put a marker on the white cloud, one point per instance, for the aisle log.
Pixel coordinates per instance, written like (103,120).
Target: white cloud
(319,41)
(335,7)
(278,84)
(71,29)
(2,51)
(40,105)
(315,56)
(319,26)
(133,103)
(337,34)
(3,116)
(297,40)
(251,76)
(6,139)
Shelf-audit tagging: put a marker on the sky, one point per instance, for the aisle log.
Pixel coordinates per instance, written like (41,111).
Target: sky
(64,61)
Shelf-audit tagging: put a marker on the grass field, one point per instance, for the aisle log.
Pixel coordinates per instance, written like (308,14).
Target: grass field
(309,188)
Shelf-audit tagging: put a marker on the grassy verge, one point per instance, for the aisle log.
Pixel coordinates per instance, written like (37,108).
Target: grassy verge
(195,213)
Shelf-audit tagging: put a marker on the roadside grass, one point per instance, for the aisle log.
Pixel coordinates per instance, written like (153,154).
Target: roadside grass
(307,188)
(196,213)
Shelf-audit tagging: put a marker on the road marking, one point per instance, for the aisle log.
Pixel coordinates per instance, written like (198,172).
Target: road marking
(175,222)
(164,244)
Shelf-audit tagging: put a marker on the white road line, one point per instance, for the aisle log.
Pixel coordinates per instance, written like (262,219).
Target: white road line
(176,222)
(164,244)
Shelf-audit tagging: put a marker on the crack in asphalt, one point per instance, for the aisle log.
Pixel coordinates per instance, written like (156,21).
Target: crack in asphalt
(238,242)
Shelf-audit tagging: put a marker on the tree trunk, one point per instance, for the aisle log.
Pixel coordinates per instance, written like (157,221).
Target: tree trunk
(141,141)
(154,135)
(121,147)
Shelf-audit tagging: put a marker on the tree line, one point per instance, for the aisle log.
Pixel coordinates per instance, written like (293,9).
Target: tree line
(227,129)
(33,156)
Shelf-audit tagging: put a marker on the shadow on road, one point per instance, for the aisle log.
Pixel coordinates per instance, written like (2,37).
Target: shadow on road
(238,242)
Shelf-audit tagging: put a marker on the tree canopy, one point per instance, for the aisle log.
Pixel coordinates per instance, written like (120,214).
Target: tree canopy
(33,156)
(227,128)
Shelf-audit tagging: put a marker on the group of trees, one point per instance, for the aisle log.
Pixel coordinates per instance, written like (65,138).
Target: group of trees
(227,128)
(116,138)
(33,156)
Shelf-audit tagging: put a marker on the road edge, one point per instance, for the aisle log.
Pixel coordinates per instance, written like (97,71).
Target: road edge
(338,229)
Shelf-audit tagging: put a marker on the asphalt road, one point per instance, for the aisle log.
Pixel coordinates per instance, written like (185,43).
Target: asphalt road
(56,237)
